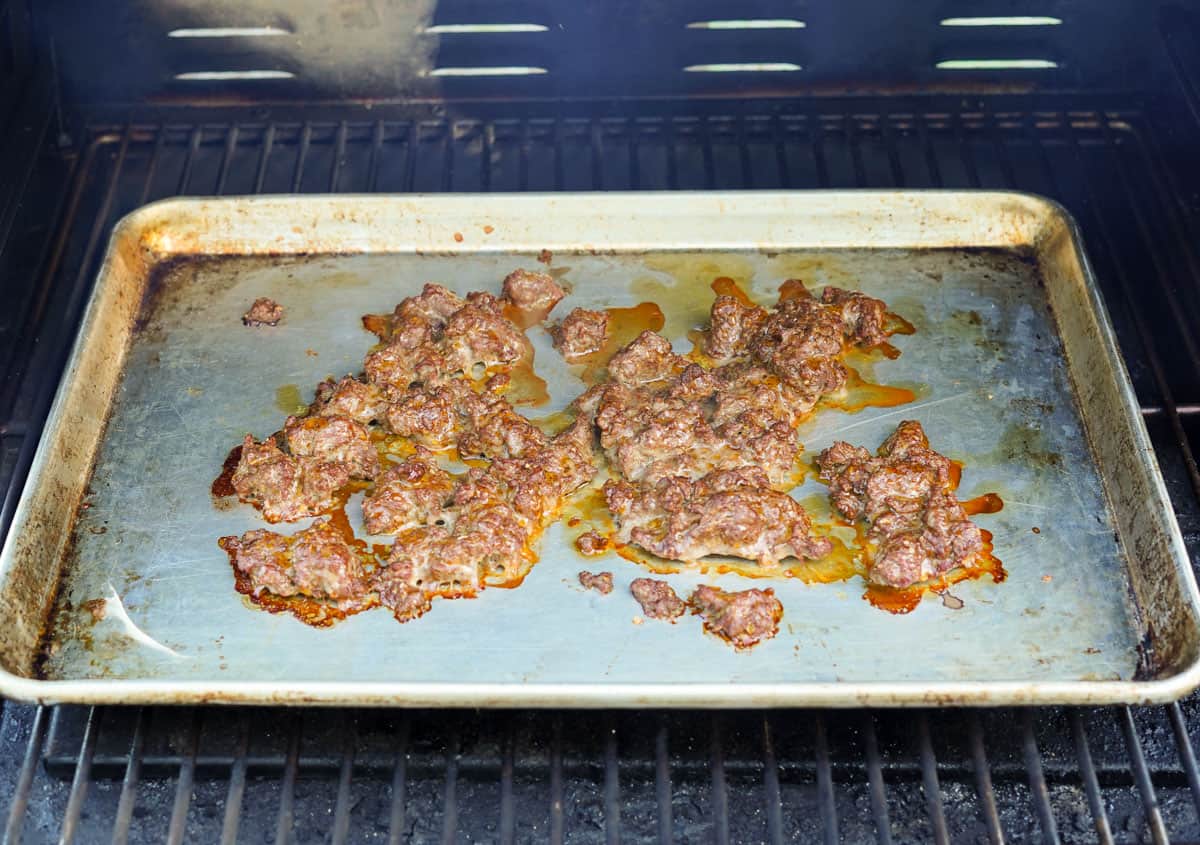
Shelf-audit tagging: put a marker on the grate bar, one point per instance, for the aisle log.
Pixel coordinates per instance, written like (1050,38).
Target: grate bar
(720,790)
(1141,775)
(185,175)
(341,813)
(1091,784)
(556,780)
(662,779)
(612,784)
(879,807)
(339,157)
(237,783)
(983,780)
(133,771)
(301,156)
(507,807)
(449,793)
(929,779)
(825,797)
(771,786)
(396,821)
(231,141)
(376,153)
(83,774)
(268,144)
(287,788)
(1187,756)
(1037,780)
(183,790)
(20,800)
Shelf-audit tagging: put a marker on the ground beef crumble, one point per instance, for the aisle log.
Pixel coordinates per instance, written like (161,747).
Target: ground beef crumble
(906,494)
(742,619)
(264,312)
(657,599)
(601,582)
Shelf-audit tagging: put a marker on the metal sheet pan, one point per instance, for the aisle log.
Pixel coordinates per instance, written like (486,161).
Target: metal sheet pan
(1014,363)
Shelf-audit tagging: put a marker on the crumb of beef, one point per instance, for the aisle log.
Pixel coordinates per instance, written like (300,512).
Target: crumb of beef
(408,494)
(425,562)
(592,543)
(647,359)
(732,327)
(727,512)
(545,256)
(906,494)
(264,312)
(532,292)
(285,487)
(601,582)
(316,562)
(800,341)
(359,401)
(657,599)
(742,619)
(333,439)
(428,414)
(863,317)
(581,333)
(478,334)
(492,428)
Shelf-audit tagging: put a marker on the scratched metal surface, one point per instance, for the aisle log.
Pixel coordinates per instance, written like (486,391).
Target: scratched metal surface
(993,390)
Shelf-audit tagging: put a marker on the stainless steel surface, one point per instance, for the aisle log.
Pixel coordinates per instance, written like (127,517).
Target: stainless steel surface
(1014,363)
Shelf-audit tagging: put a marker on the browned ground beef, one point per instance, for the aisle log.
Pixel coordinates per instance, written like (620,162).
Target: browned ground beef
(284,487)
(532,292)
(657,599)
(581,333)
(315,562)
(591,543)
(906,494)
(408,494)
(727,512)
(351,398)
(264,312)
(742,619)
(601,582)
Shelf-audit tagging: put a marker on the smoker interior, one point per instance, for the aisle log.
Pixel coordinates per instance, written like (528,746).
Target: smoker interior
(100,116)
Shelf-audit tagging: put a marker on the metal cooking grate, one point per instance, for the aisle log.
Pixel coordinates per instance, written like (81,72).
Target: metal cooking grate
(1117,774)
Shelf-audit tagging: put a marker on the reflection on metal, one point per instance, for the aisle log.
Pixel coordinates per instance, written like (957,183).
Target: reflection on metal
(1003,20)
(997,64)
(222,75)
(499,70)
(752,23)
(743,67)
(483,28)
(229,32)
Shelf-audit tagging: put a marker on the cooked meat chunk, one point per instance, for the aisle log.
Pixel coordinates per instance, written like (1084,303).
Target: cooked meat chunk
(315,562)
(801,340)
(600,582)
(906,494)
(409,494)
(657,599)
(435,305)
(425,562)
(742,619)
(646,360)
(492,428)
(863,317)
(480,334)
(264,312)
(333,439)
(363,403)
(727,512)
(286,488)
(396,367)
(429,415)
(581,333)
(732,327)
(532,292)
(591,543)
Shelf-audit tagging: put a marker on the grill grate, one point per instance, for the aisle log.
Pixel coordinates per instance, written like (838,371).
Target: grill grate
(1116,774)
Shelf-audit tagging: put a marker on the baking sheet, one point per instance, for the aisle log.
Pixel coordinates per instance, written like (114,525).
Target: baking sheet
(1012,364)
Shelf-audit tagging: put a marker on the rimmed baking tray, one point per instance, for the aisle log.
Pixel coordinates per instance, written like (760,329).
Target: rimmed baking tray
(1014,366)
